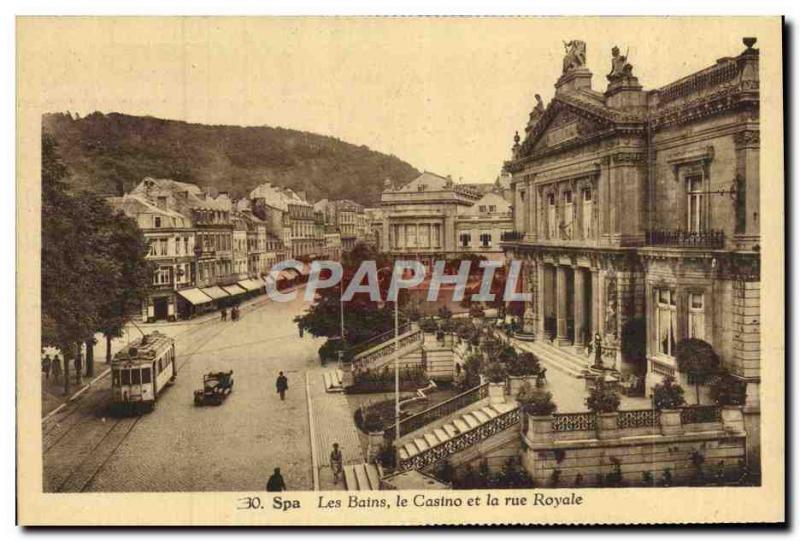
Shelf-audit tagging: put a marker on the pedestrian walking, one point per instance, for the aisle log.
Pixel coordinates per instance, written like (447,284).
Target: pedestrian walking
(275,482)
(78,367)
(336,463)
(224,314)
(56,367)
(300,329)
(46,365)
(282,385)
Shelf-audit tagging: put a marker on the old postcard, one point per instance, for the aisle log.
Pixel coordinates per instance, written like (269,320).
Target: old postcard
(400,271)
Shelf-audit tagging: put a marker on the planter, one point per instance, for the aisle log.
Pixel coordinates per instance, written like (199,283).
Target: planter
(540,428)
(607,425)
(497,393)
(516,382)
(732,418)
(671,422)
(374,444)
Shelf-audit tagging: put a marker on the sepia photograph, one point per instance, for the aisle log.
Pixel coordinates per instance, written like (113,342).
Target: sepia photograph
(375,263)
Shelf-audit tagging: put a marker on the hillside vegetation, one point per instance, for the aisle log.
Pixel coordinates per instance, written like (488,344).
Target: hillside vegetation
(106,153)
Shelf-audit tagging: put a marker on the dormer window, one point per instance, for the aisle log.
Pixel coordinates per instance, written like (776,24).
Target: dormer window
(157,221)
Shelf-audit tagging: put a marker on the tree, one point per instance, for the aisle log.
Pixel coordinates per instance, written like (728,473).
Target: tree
(363,317)
(69,315)
(698,359)
(668,395)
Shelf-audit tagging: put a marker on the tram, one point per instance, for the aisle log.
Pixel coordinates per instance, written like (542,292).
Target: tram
(141,371)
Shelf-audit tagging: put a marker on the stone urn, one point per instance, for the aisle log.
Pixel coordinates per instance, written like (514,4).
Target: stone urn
(671,422)
(732,418)
(607,425)
(374,443)
(540,428)
(497,393)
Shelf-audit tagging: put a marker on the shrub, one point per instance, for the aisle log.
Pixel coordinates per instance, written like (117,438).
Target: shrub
(476,311)
(536,401)
(525,364)
(728,390)
(496,372)
(448,325)
(445,312)
(428,325)
(668,395)
(602,399)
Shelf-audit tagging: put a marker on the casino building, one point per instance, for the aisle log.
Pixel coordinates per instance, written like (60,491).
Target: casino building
(639,209)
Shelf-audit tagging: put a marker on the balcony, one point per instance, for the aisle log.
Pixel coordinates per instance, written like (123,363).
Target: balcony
(511,236)
(686,239)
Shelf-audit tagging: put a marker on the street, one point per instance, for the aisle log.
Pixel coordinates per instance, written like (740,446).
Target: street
(180,447)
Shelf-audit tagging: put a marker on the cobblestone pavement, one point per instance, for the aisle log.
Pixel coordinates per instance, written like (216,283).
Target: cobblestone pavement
(180,447)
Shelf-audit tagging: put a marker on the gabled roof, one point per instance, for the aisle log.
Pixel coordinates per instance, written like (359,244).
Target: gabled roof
(429,181)
(490,198)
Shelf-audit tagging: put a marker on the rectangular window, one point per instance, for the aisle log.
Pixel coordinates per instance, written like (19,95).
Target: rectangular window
(586,213)
(465,239)
(695,212)
(551,216)
(666,319)
(136,376)
(126,377)
(486,240)
(146,375)
(697,319)
(115,378)
(482,208)
(157,221)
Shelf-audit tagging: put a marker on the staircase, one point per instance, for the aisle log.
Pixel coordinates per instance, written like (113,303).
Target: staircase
(384,353)
(362,477)
(333,381)
(442,440)
(565,360)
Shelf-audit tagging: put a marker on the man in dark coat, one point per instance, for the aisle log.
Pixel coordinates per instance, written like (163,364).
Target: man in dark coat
(275,482)
(282,385)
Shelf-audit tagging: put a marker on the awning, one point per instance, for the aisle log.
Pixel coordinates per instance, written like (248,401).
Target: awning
(251,284)
(215,292)
(194,296)
(234,289)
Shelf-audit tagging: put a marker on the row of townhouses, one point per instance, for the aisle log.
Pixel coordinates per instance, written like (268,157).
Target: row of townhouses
(210,252)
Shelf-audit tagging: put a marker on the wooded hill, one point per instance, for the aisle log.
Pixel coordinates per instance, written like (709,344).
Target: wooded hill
(106,153)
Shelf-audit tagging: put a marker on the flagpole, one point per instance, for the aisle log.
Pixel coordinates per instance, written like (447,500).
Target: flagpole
(396,370)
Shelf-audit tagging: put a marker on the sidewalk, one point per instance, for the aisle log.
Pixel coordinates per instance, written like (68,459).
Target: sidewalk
(332,421)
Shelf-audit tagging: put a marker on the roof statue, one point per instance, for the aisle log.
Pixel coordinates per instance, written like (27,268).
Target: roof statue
(536,113)
(620,68)
(574,55)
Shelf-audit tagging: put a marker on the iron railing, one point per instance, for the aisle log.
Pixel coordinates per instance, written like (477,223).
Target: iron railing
(440,410)
(686,239)
(700,414)
(378,339)
(571,422)
(462,441)
(368,360)
(639,418)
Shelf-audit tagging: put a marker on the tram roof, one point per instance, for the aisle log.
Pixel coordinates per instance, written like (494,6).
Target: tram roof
(146,348)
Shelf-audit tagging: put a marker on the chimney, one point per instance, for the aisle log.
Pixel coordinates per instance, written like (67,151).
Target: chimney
(184,195)
(302,194)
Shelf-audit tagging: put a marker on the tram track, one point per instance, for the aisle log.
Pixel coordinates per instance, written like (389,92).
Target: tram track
(97,455)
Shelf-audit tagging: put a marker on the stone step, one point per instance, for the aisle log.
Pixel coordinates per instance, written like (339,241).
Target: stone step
(441,434)
(350,479)
(470,420)
(332,380)
(490,412)
(421,444)
(569,354)
(403,453)
(361,477)
(450,429)
(431,439)
(461,425)
(552,359)
(411,449)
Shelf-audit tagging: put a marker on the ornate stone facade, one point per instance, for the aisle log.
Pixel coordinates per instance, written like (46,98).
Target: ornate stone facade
(640,210)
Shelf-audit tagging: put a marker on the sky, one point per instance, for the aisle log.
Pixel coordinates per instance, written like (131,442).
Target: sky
(444,94)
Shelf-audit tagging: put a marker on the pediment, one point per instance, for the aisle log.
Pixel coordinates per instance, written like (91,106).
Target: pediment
(561,124)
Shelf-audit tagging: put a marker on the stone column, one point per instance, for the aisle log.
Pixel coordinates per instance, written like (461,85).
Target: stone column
(561,306)
(579,306)
(540,294)
(594,305)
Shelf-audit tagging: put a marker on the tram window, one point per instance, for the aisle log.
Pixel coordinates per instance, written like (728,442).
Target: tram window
(115,378)
(145,375)
(136,378)
(126,377)
(160,369)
